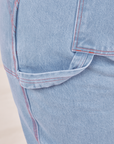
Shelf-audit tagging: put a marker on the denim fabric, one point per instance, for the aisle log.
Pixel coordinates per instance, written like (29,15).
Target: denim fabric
(59,59)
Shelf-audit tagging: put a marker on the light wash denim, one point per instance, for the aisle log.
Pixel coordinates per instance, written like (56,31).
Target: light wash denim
(59,60)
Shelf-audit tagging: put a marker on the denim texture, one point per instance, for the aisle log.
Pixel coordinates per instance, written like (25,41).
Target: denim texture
(59,59)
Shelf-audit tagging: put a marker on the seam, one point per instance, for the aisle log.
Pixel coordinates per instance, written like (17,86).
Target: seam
(13,30)
(80,23)
(27,105)
(94,51)
(76,25)
(45,81)
(9,70)
(14,74)
(37,82)
(59,78)
(14,60)
(84,60)
(33,120)
(80,61)
(10,73)
(78,65)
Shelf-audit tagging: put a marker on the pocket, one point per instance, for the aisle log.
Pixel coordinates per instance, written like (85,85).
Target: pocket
(43,37)
(94,30)
(47,79)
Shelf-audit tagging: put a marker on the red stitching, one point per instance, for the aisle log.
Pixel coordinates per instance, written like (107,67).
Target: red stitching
(62,78)
(9,70)
(89,48)
(42,79)
(93,49)
(33,121)
(83,61)
(45,81)
(79,62)
(34,124)
(91,52)
(33,79)
(80,23)
(10,73)
(76,25)
(95,53)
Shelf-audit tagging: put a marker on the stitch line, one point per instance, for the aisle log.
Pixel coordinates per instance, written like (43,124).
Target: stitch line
(80,61)
(42,79)
(45,81)
(84,60)
(80,23)
(10,73)
(76,25)
(36,79)
(13,35)
(94,51)
(9,70)
(33,120)
(12,22)
(38,82)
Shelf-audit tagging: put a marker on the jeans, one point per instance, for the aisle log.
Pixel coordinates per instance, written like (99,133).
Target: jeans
(59,60)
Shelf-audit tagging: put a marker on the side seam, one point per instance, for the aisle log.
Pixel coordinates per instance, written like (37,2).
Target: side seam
(12,16)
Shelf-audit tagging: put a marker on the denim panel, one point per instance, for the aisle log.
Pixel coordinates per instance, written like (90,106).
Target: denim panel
(23,107)
(94,30)
(62,96)
(42,39)
(6,35)
(44,31)
(81,110)
(47,79)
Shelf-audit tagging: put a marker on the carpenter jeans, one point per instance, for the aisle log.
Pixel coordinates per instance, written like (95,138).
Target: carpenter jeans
(59,60)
